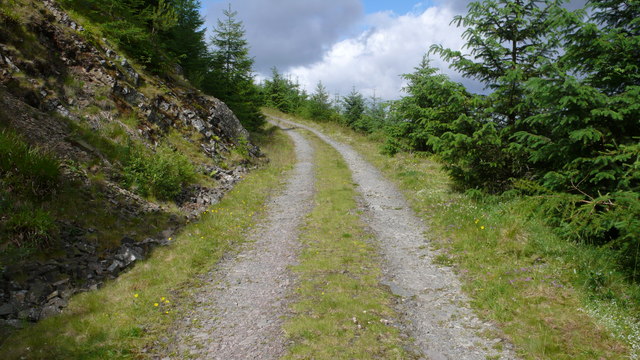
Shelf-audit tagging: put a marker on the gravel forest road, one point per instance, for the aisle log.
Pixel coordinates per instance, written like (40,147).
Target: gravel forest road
(241,308)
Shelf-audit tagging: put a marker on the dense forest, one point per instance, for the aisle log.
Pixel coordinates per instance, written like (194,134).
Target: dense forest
(559,123)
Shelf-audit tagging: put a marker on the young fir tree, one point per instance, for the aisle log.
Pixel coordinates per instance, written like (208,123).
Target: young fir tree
(319,105)
(590,99)
(432,104)
(354,106)
(187,41)
(509,40)
(231,74)
(586,142)
(376,113)
(282,94)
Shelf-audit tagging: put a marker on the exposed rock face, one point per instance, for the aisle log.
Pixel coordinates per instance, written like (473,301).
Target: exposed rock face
(68,76)
(42,289)
(195,197)
(100,68)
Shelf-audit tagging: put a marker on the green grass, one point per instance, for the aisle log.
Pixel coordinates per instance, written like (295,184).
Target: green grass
(114,323)
(116,149)
(162,174)
(341,310)
(553,299)
(27,168)
(27,175)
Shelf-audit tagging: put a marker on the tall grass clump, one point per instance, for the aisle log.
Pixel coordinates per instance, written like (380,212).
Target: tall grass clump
(28,175)
(162,174)
(27,169)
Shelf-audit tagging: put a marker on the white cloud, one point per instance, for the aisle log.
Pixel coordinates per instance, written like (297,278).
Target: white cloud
(286,33)
(376,58)
(392,45)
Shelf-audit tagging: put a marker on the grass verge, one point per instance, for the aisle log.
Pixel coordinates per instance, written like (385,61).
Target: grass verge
(553,299)
(136,309)
(341,310)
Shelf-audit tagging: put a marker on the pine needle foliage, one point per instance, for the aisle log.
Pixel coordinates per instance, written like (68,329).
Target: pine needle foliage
(559,122)
(231,73)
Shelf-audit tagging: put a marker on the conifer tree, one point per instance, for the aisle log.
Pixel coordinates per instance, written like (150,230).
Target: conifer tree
(509,42)
(432,105)
(354,106)
(187,41)
(319,105)
(276,90)
(590,99)
(231,74)
(586,142)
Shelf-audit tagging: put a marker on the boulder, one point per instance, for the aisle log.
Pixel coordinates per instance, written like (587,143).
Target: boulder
(7,309)
(128,256)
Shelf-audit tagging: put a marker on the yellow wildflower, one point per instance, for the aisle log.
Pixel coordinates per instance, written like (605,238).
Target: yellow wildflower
(156,304)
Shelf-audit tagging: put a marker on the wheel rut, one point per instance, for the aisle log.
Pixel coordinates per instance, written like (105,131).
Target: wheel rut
(239,310)
(431,302)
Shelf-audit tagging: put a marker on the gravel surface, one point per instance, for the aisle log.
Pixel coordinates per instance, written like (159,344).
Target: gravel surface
(239,312)
(432,304)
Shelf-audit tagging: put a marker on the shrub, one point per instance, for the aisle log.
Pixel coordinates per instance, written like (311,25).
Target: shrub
(27,169)
(162,174)
(30,228)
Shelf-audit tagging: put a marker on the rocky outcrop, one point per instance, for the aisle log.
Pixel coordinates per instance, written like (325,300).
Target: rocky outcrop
(98,67)
(196,197)
(38,290)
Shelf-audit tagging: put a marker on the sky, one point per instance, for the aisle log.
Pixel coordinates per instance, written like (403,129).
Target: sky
(366,44)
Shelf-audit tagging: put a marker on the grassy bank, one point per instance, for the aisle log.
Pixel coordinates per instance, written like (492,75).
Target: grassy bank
(135,310)
(553,299)
(341,311)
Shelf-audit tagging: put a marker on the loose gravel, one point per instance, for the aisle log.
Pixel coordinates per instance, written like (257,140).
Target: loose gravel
(239,311)
(432,304)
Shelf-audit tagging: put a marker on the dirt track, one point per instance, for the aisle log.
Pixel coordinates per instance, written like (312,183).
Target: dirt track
(432,302)
(240,310)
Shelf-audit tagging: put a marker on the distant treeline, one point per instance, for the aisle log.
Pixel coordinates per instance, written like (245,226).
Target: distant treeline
(560,125)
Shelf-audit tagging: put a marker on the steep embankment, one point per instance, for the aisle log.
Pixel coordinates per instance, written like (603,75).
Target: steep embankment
(100,140)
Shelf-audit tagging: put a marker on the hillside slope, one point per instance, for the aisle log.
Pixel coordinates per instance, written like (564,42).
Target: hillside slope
(89,142)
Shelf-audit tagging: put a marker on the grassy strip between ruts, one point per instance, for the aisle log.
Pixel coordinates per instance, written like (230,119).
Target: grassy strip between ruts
(136,309)
(552,298)
(341,310)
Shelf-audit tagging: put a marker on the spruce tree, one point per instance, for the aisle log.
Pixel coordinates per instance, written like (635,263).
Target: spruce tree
(319,105)
(432,105)
(586,142)
(509,42)
(354,106)
(187,41)
(276,91)
(231,74)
